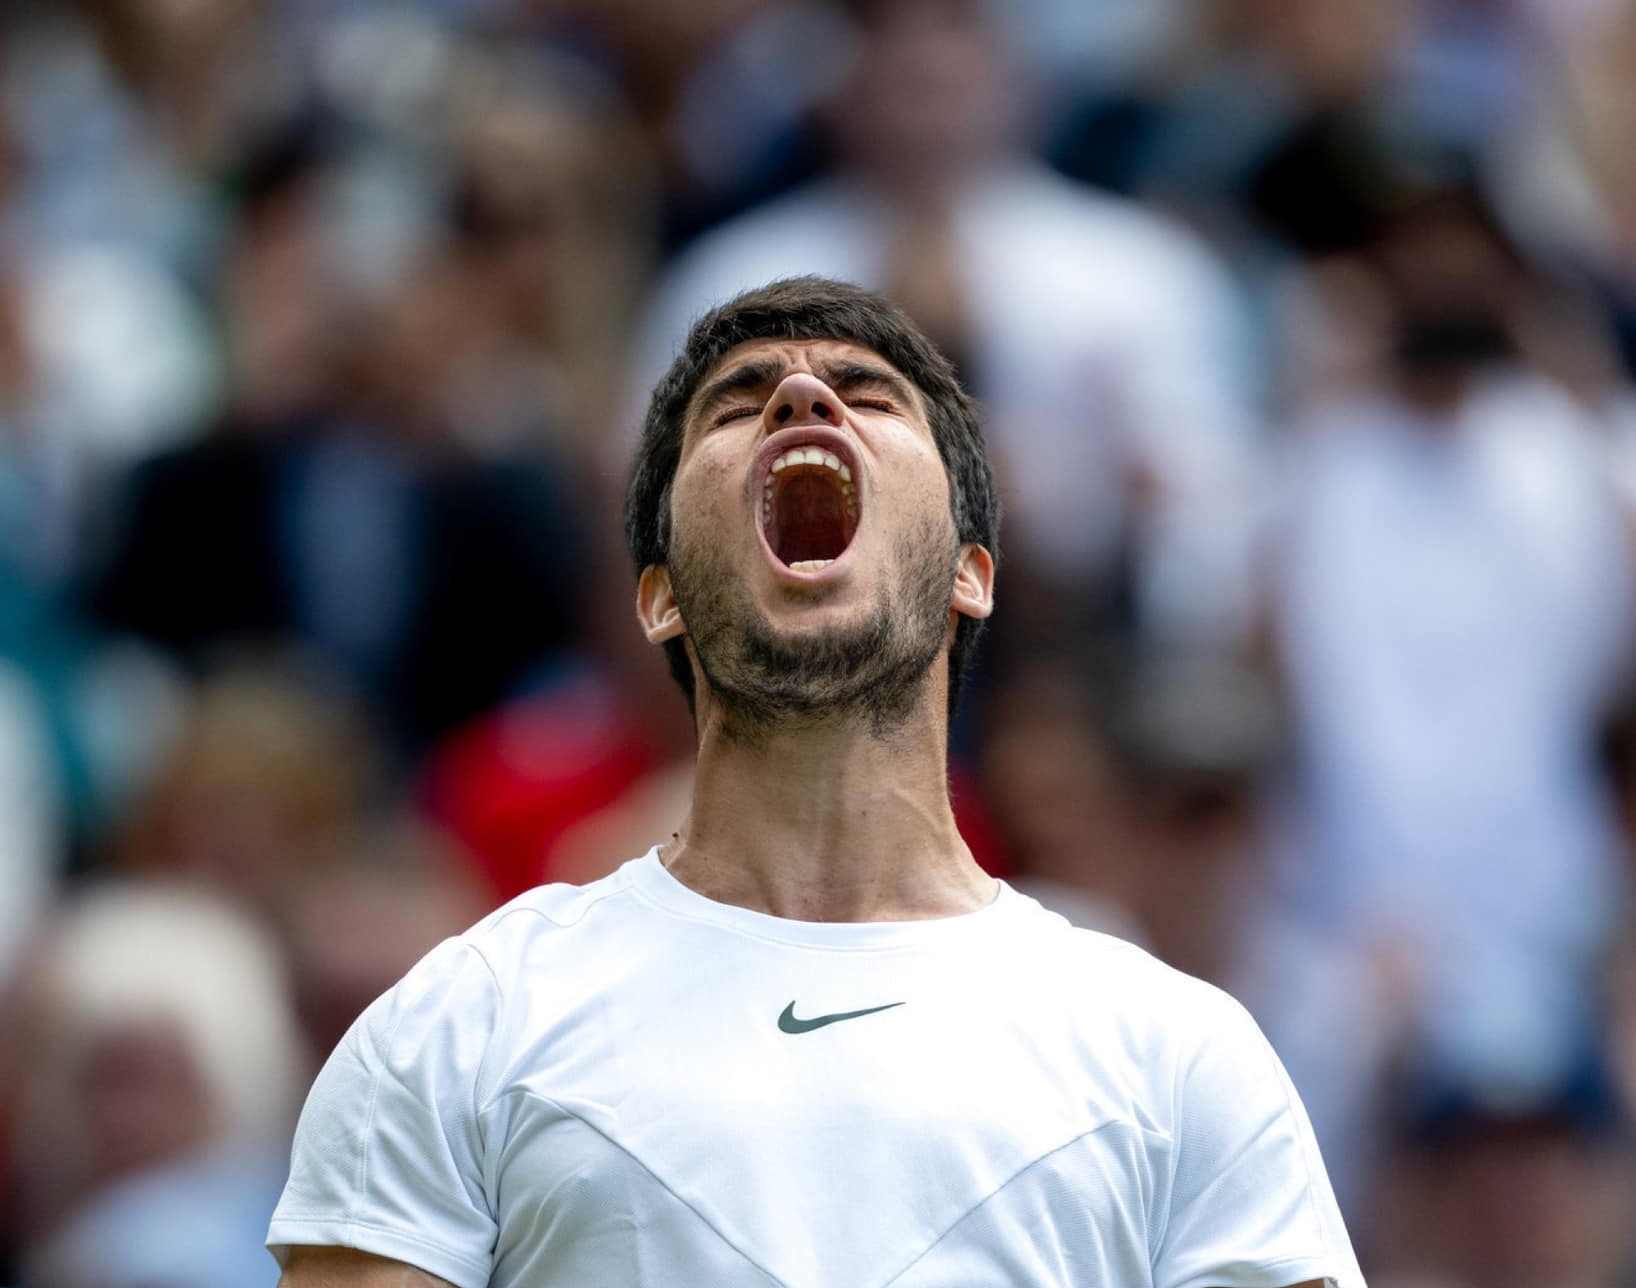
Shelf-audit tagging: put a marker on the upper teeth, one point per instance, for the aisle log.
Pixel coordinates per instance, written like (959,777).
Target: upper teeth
(809,456)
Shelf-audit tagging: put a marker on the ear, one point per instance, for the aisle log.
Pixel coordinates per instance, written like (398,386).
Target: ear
(974,582)
(656,605)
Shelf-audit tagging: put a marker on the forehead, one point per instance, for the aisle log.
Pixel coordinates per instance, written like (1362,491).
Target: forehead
(797,355)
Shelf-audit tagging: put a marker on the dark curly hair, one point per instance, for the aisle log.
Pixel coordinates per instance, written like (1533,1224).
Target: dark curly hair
(813,308)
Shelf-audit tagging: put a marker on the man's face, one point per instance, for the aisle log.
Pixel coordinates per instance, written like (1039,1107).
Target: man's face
(814,562)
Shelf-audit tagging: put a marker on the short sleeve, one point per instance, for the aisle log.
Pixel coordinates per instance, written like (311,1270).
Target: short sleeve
(388,1155)
(1250,1204)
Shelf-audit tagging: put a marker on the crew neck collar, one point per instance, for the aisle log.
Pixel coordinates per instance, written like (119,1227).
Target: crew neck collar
(651,879)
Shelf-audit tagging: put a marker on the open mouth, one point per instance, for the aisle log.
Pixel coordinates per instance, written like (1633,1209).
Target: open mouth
(809,507)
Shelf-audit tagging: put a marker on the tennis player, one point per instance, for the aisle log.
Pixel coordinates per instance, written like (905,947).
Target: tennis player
(807,1041)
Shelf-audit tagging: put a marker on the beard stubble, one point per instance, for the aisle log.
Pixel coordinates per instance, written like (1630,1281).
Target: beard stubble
(870,672)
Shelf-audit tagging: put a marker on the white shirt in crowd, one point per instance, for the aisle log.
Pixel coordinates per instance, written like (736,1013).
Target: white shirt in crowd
(1453,598)
(1106,342)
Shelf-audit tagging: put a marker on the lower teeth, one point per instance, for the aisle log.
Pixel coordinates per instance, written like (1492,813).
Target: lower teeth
(810,565)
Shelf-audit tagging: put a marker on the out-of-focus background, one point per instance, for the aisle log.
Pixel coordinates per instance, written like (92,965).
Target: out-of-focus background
(1306,334)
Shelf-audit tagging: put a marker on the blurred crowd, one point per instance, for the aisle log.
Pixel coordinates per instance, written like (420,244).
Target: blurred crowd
(1306,338)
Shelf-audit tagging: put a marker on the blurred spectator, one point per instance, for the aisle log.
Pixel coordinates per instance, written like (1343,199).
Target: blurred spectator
(1237,79)
(1492,1190)
(1057,796)
(32,809)
(100,358)
(1194,736)
(340,510)
(1127,791)
(107,153)
(552,216)
(160,1070)
(1103,341)
(1567,180)
(203,76)
(514,786)
(354,925)
(1451,600)
(104,354)
(721,90)
(265,778)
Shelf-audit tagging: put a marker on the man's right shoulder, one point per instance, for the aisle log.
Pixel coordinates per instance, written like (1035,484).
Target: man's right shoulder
(541,921)
(508,978)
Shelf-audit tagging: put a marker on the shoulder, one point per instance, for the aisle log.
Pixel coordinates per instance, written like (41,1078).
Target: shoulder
(1144,980)
(1118,989)
(479,969)
(539,923)
(1167,1001)
(435,1027)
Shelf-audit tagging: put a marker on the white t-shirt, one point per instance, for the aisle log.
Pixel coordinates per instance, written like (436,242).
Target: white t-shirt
(628,1084)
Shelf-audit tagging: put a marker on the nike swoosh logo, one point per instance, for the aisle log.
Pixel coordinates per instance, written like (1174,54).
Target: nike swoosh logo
(789,1024)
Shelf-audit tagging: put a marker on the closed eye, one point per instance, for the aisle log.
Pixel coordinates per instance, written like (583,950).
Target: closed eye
(873,404)
(734,413)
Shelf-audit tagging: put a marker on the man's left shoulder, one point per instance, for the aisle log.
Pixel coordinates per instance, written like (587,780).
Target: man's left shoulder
(1113,978)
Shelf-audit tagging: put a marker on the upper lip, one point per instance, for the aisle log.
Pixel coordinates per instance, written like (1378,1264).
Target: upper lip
(824,436)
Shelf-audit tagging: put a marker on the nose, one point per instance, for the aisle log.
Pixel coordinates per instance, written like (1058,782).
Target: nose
(801,399)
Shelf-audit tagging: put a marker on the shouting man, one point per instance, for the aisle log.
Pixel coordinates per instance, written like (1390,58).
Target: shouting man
(808,1042)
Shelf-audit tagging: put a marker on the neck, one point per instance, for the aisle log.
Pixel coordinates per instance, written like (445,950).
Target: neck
(828,822)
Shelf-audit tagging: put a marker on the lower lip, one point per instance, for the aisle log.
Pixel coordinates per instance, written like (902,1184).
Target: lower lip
(809,577)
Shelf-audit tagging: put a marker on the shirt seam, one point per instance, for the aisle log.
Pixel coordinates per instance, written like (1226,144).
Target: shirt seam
(996,1191)
(618,884)
(361,1180)
(658,1180)
(488,1046)
(361,1184)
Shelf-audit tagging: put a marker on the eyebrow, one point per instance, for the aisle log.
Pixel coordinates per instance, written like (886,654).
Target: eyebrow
(762,373)
(851,373)
(766,373)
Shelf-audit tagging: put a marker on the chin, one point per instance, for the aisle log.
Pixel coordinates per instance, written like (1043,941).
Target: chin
(819,617)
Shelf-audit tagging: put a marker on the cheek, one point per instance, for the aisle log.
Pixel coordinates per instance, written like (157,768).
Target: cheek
(922,487)
(705,496)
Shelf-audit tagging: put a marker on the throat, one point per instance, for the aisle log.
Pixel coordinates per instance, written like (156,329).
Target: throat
(809,517)
(845,830)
